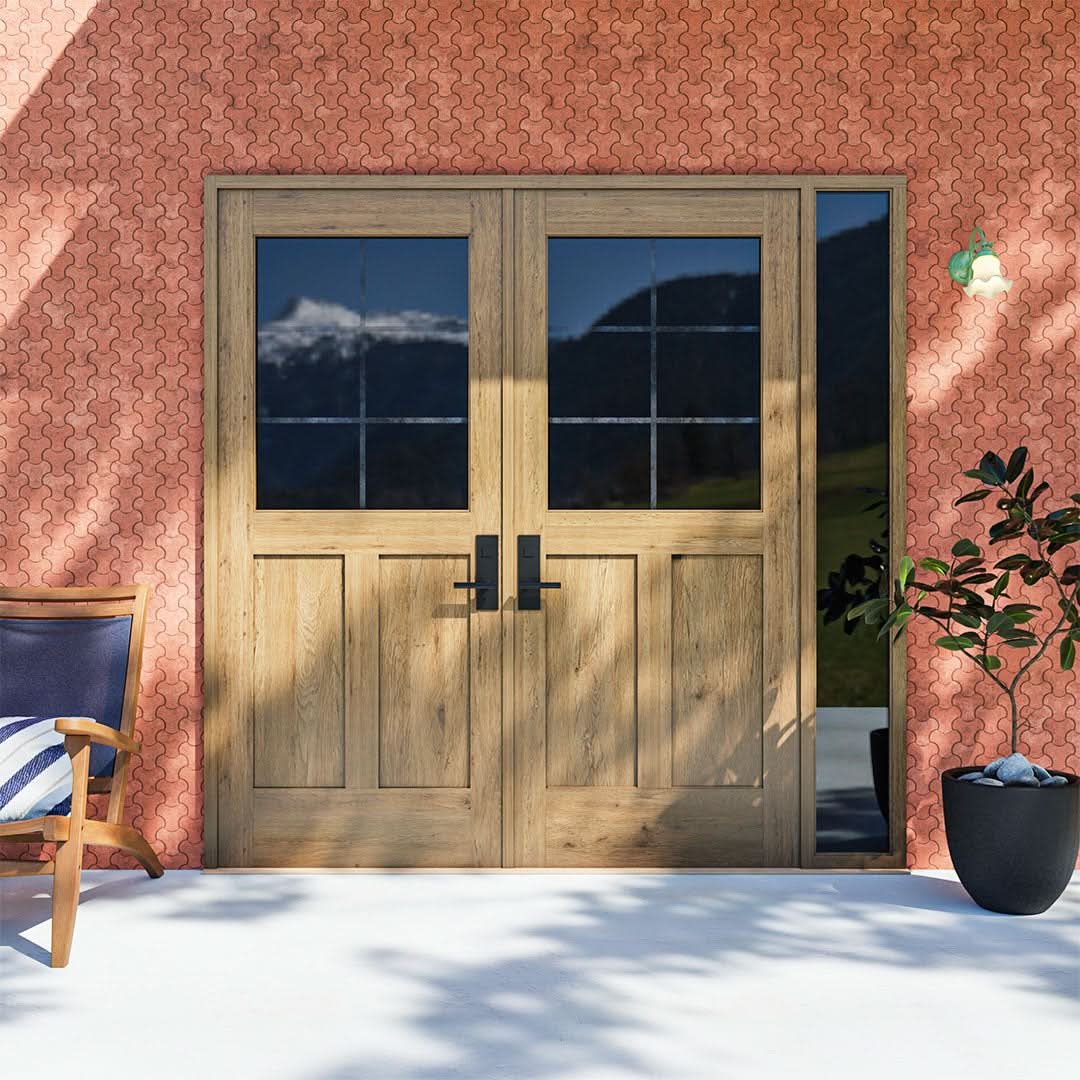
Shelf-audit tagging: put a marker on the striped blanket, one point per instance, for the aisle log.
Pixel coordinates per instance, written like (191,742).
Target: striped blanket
(35,772)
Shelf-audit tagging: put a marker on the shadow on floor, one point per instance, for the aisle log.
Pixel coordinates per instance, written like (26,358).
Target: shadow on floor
(561,1009)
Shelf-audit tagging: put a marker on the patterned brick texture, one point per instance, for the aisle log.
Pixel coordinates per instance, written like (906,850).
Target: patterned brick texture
(113,111)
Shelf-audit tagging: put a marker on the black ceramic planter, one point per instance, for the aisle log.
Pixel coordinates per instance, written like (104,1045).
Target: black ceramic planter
(879,765)
(1014,848)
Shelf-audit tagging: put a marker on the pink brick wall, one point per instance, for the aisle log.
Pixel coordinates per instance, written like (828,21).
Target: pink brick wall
(114,111)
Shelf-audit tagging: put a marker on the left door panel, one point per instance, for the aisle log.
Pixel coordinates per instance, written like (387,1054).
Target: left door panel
(353,693)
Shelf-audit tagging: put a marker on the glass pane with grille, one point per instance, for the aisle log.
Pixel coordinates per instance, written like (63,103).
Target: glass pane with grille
(362,373)
(654,373)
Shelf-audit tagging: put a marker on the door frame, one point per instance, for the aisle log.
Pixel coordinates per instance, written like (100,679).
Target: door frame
(216,608)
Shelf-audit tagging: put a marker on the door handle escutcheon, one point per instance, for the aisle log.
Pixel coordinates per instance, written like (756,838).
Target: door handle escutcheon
(487,573)
(528,567)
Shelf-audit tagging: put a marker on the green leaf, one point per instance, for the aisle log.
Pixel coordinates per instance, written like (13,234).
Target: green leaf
(964,547)
(936,566)
(1068,653)
(1076,497)
(956,642)
(907,571)
(967,566)
(978,579)
(1035,571)
(966,618)
(1023,617)
(981,474)
(992,464)
(901,612)
(1006,530)
(1017,460)
(869,608)
(1001,585)
(1028,642)
(973,496)
(990,663)
(1002,620)
(1012,562)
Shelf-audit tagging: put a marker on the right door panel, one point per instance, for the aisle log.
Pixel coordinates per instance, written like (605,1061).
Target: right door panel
(654,451)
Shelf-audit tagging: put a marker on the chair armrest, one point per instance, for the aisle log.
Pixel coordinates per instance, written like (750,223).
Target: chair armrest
(98,733)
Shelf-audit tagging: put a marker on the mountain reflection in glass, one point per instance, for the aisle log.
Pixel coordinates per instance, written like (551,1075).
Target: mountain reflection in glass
(362,373)
(852,726)
(654,373)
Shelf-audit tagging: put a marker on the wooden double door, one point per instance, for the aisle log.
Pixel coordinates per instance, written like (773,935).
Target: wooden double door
(501,539)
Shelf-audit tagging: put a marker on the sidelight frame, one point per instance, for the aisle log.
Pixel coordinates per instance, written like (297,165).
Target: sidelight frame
(216,622)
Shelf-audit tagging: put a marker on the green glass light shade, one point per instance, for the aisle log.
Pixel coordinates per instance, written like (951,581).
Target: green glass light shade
(960,264)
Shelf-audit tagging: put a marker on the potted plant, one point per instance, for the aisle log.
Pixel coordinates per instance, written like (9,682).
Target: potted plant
(1013,826)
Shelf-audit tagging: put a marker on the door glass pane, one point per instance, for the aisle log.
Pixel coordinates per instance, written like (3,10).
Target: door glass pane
(654,373)
(362,373)
(852,518)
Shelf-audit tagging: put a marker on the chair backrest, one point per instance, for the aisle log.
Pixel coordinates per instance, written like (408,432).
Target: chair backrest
(73,652)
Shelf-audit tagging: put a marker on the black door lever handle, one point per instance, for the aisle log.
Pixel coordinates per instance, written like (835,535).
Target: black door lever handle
(487,573)
(529,583)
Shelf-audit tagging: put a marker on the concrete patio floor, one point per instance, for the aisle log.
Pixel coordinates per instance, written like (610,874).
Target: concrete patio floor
(594,977)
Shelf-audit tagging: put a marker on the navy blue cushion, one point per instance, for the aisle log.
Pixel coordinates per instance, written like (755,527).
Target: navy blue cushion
(66,667)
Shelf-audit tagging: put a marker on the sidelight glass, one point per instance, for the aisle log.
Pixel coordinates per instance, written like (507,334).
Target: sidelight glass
(853,347)
(362,373)
(654,373)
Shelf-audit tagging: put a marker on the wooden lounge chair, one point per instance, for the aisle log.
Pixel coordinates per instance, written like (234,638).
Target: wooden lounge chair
(76,653)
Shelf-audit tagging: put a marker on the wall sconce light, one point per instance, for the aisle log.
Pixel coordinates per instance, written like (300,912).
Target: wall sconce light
(978,268)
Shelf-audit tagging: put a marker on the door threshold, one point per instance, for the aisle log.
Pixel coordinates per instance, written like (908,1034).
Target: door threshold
(651,870)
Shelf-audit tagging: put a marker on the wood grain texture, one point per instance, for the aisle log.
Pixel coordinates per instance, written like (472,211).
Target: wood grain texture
(230,690)
(541,182)
(654,669)
(528,367)
(649,540)
(363,828)
(362,670)
(595,827)
(591,667)
(313,212)
(780,472)
(297,532)
(667,213)
(484,641)
(418,687)
(506,510)
(808,523)
(299,711)
(423,672)
(716,679)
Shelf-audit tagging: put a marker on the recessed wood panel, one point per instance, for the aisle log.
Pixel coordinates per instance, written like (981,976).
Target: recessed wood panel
(591,671)
(364,828)
(423,672)
(632,827)
(299,715)
(716,670)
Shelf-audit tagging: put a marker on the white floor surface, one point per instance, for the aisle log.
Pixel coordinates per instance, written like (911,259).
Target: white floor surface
(591,977)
